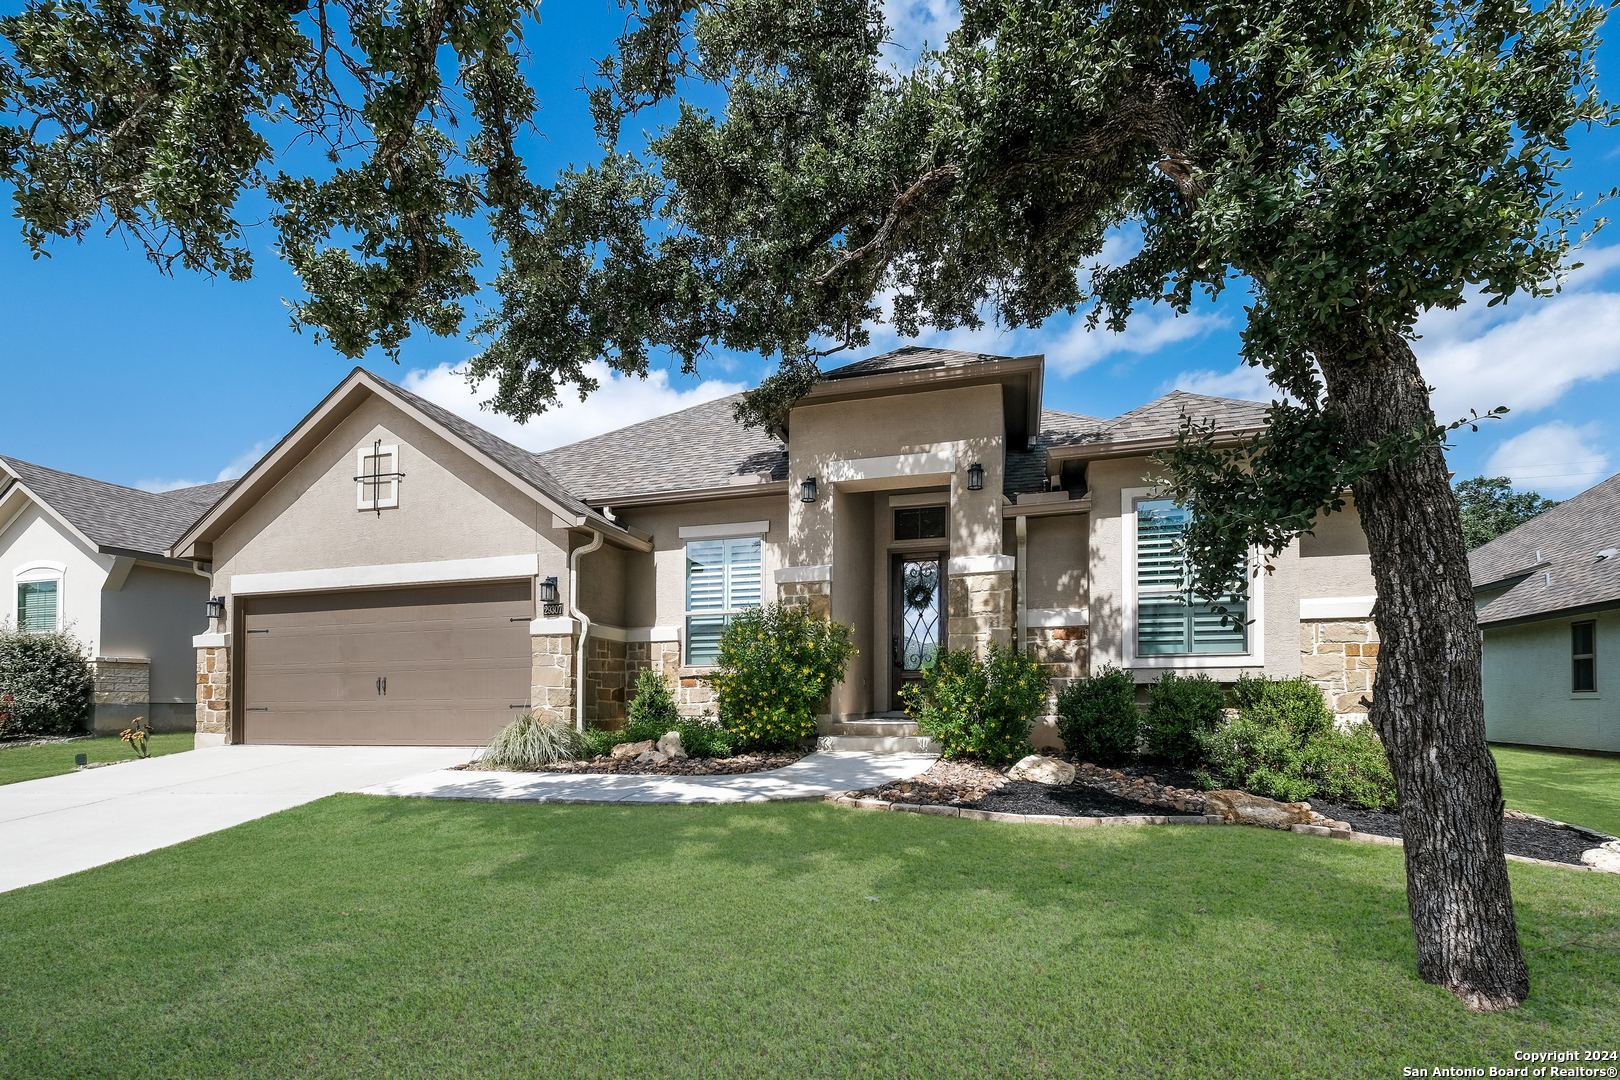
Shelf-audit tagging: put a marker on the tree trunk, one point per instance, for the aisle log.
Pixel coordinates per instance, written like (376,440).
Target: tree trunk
(1427,704)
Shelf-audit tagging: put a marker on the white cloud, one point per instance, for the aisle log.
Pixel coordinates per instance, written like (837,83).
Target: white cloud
(1525,354)
(621,401)
(1078,348)
(1555,458)
(914,24)
(1243,381)
(239,465)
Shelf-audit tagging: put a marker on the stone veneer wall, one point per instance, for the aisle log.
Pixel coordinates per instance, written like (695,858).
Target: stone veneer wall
(552,690)
(1340,656)
(979,610)
(815,595)
(607,682)
(214,691)
(1063,652)
(122,693)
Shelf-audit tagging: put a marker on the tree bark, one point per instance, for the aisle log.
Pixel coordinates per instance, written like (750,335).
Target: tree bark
(1427,704)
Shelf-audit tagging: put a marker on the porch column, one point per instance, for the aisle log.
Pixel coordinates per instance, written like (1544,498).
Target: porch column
(807,587)
(979,602)
(552,685)
(213,689)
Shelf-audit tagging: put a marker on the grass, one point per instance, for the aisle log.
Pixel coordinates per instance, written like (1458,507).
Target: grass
(1565,785)
(372,937)
(18,763)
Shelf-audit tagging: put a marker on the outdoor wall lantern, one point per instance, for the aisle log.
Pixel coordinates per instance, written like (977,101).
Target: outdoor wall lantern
(807,490)
(975,477)
(550,604)
(216,608)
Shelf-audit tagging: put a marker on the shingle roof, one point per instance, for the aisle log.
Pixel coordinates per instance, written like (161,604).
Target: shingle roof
(1026,470)
(114,516)
(700,447)
(908,358)
(521,462)
(1161,418)
(1563,546)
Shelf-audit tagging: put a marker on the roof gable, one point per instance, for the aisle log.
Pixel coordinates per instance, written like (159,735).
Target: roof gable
(115,517)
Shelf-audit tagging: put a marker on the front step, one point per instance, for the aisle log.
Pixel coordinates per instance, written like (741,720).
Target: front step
(879,744)
(873,727)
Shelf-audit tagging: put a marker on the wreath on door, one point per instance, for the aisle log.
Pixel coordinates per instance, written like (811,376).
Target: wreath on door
(920,586)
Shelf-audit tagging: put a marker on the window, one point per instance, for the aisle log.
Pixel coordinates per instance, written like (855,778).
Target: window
(37,605)
(376,480)
(722,578)
(1168,620)
(1583,657)
(919,523)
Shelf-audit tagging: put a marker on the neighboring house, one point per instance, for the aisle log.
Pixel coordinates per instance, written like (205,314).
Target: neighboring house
(92,558)
(394,573)
(1548,595)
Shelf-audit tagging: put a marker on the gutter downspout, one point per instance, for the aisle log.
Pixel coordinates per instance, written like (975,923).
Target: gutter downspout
(1023,583)
(584,627)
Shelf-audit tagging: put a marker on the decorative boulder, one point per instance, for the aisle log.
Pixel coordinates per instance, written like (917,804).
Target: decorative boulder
(650,757)
(1043,770)
(670,746)
(631,749)
(1241,808)
(1606,858)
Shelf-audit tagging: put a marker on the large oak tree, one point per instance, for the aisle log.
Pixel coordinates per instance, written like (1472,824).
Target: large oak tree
(1351,163)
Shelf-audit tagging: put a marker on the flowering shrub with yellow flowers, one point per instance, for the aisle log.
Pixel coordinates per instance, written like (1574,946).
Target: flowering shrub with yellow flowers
(979,708)
(776,666)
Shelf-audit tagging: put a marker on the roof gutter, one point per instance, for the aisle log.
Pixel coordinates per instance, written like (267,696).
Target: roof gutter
(1137,447)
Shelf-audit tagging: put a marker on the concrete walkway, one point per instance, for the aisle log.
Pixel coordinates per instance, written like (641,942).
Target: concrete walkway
(810,777)
(64,824)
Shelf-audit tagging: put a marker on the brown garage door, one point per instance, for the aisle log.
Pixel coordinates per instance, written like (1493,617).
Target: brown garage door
(426,667)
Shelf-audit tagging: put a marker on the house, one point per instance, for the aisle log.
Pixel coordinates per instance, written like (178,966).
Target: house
(1548,597)
(392,573)
(92,558)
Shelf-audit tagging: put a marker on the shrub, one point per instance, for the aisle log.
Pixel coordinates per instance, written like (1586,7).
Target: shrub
(1181,710)
(1284,745)
(48,680)
(776,666)
(979,708)
(1098,717)
(528,743)
(652,713)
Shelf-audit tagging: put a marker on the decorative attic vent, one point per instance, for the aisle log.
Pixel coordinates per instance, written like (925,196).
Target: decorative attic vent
(377,485)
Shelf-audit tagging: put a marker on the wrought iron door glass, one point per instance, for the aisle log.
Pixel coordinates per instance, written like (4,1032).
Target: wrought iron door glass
(920,612)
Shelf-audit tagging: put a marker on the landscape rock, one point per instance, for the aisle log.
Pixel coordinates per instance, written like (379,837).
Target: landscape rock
(1605,858)
(650,757)
(1043,770)
(670,746)
(631,749)
(1241,808)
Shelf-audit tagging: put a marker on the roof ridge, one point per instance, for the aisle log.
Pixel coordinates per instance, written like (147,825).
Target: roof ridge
(108,483)
(638,423)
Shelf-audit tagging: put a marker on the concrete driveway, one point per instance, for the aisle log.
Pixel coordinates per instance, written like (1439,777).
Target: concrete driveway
(64,824)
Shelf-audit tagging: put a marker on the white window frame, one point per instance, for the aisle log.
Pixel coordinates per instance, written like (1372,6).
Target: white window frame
(391,452)
(1255,657)
(42,570)
(687,614)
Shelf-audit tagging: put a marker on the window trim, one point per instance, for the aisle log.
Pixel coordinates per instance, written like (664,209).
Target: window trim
(1575,657)
(38,571)
(687,613)
(1255,657)
(361,454)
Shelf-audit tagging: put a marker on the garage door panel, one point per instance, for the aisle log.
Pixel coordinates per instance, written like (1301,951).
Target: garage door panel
(456,660)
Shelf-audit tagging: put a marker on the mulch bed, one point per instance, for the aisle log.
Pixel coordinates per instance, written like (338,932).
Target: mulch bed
(1074,800)
(1522,834)
(731,766)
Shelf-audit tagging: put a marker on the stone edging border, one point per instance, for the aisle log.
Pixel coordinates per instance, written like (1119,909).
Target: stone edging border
(1144,819)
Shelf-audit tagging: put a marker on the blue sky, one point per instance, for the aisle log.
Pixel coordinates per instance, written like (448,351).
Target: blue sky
(114,371)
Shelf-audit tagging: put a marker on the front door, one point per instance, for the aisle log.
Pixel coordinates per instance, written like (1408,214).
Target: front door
(917,617)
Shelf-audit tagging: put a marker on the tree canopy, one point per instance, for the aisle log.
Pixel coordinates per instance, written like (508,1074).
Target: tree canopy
(1491,508)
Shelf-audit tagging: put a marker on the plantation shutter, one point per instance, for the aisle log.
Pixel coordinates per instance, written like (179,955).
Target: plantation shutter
(722,577)
(1168,621)
(36,605)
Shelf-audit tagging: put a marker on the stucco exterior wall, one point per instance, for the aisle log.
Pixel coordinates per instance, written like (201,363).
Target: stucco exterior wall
(1528,697)
(450,507)
(154,616)
(36,536)
(855,602)
(1059,554)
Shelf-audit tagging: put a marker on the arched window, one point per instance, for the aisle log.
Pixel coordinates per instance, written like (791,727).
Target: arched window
(38,588)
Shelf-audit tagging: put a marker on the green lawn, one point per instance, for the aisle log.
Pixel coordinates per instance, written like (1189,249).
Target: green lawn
(32,762)
(373,937)
(1582,789)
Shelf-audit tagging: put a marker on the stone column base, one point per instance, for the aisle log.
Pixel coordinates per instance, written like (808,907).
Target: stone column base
(213,695)
(552,688)
(1341,657)
(979,610)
